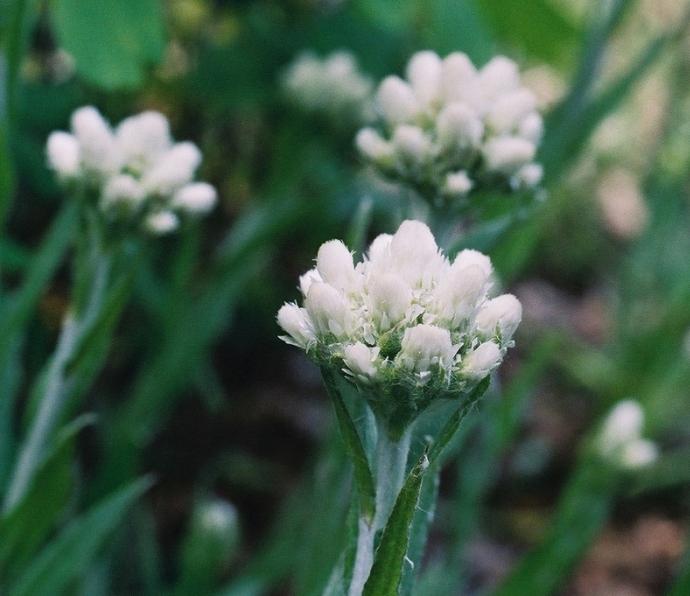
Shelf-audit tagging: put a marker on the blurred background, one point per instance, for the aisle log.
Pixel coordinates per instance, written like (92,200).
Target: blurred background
(199,391)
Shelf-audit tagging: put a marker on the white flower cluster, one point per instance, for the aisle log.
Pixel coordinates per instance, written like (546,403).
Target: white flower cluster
(333,86)
(620,439)
(405,321)
(450,127)
(136,170)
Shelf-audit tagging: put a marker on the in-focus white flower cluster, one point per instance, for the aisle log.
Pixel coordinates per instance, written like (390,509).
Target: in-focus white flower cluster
(405,325)
(333,86)
(620,439)
(451,127)
(136,170)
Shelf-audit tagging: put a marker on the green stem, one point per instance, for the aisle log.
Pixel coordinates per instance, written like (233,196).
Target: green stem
(57,383)
(391,462)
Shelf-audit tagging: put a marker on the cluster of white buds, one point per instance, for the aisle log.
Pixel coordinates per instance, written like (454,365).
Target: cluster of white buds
(136,171)
(620,439)
(333,86)
(450,127)
(405,325)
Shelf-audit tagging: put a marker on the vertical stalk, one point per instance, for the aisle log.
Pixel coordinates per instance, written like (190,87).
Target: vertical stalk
(57,384)
(391,462)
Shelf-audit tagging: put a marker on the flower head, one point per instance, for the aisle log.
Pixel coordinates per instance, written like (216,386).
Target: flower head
(449,128)
(333,86)
(405,325)
(620,438)
(135,171)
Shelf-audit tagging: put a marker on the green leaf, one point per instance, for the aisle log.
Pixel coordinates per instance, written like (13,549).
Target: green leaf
(74,549)
(357,234)
(387,570)
(112,41)
(353,444)
(24,528)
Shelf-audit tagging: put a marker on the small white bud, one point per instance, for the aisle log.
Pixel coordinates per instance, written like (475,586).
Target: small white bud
(161,223)
(498,76)
(531,127)
(411,143)
(397,100)
(638,453)
(530,175)
(424,73)
(360,359)
(424,346)
(143,138)
(296,323)
(510,110)
(414,252)
(390,298)
(64,155)
(482,360)
(173,169)
(459,293)
(500,315)
(197,198)
(379,249)
(373,146)
(622,425)
(458,184)
(307,279)
(459,126)
(328,310)
(334,264)
(458,79)
(469,257)
(122,190)
(507,154)
(98,150)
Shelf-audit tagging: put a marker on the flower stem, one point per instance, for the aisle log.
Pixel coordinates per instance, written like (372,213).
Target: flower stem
(391,462)
(57,383)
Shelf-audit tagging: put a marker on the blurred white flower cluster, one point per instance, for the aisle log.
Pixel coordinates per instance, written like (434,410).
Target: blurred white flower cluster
(405,321)
(620,439)
(136,170)
(451,127)
(333,86)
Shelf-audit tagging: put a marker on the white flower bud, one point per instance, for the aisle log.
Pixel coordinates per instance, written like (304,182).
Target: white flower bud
(457,184)
(458,79)
(328,310)
(622,425)
(173,169)
(414,252)
(411,143)
(390,298)
(424,74)
(197,198)
(379,249)
(360,360)
(424,346)
(482,360)
(122,190)
(469,257)
(397,100)
(498,76)
(143,138)
(307,279)
(638,453)
(334,264)
(161,223)
(530,175)
(510,110)
(296,323)
(64,155)
(459,126)
(500,315)
(98,150)
(373,146)
(459,293)
(531,127)
(507,154)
